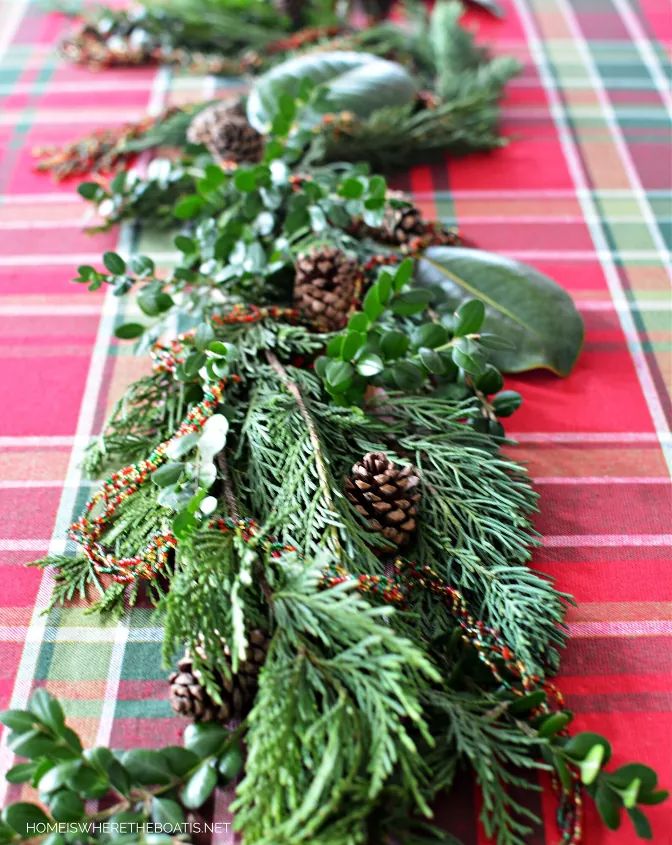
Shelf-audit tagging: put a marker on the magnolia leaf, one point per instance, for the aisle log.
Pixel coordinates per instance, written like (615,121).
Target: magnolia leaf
(354,82)
(522,306)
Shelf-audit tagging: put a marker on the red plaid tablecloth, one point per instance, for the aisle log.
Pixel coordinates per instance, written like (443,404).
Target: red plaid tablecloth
(583,192)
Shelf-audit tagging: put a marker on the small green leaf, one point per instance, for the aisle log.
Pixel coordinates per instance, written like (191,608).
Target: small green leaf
(198,788)
(185,245)
(393,344)
(18,721)
(624,775)
(640,823)
(58,775)
(167,474)
(353,342)
(184,524)
(245,180)
(372,305)
(468,356)
(432,361)
(339,375)
(231,763)
(180,760)
(23,816)
(114,263)
(657,797)
(407,376)
(403,274)
(506,403)
(369,365)
(193,364)
(66,806)
(469,317)
(167,812)
(335,345)
(188,207)
(146,766)
(31,744)
(88,190)
(411,302)
(579,745)
(591,764)
(430,335)
(563,773)
(527,702)
(554,723)
(129,331)
(205,738)
(490,380)
(608,806)
(21,773)
(359,322)
(89,782)
(351,188)
(142,265)
(218,348)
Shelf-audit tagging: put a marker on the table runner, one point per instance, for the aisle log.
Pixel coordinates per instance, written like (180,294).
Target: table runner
(583,192)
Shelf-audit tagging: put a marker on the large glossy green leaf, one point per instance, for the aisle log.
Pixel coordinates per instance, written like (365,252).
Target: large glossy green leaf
(522,305)
(356,82)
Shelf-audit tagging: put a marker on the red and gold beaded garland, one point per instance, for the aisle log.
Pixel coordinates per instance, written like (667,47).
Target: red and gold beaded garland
(88,530)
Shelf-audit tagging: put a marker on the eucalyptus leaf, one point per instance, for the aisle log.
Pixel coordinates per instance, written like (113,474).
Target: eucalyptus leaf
(350,81)
(522,306)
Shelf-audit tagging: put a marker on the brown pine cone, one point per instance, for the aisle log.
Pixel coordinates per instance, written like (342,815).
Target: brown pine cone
(224,130)
(190,699)
(386,495)
(325,286)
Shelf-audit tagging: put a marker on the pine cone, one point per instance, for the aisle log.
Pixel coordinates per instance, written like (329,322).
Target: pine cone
(325,286)
(224,130)
(189,697)
(402,224)
(386,495)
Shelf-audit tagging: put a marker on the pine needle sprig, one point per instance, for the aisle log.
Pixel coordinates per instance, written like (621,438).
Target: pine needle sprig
(290,481)
(73,578)
(338,696)
(502,753)
(198,611)
(147,414)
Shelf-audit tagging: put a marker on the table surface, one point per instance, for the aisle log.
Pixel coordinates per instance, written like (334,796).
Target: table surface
(582,193)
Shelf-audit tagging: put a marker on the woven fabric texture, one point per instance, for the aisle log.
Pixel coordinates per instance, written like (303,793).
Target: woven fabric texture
(583,192)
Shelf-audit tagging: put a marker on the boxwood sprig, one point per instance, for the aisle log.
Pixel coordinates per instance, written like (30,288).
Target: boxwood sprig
(135,788)
(397,341)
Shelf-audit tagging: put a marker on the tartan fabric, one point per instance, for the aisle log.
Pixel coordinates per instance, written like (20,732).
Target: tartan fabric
(583,193)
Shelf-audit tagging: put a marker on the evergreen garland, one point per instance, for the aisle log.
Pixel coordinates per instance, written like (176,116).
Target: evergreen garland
(393,663)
